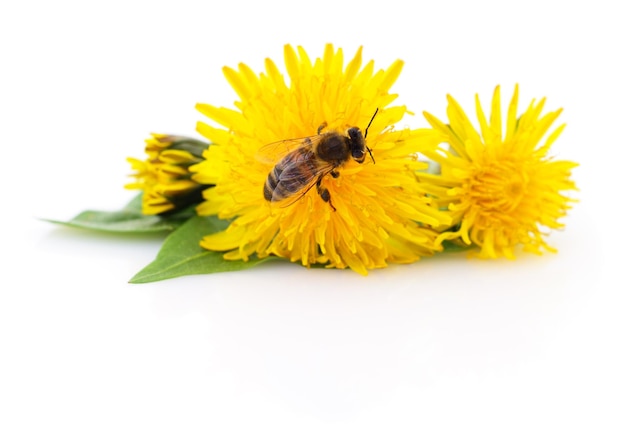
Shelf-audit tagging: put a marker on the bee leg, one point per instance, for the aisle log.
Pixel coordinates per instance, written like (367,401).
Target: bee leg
(324,193)
(321,127)
(334,174)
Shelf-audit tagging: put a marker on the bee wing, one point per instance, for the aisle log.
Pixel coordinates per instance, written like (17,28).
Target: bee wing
(301,171)
(275,151)
(292,199)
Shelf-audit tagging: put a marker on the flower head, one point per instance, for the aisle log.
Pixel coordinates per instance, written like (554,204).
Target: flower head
(500,190)
(164,177)
(361,213)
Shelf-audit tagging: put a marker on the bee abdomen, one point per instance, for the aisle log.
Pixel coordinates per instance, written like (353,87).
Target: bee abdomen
(289,176)
(272,182)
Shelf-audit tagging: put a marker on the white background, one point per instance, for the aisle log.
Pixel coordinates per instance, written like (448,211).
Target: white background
(445,344)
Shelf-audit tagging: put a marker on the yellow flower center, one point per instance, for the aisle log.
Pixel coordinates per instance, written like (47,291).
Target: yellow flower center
(498,187)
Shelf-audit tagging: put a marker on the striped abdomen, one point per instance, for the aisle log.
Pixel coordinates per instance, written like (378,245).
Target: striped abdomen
(295,171)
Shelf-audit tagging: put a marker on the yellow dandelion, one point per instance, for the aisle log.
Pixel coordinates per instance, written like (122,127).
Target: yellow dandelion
(164,177)
(362,212)
(501,190)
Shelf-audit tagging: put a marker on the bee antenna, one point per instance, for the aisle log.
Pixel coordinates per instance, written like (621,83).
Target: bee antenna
(368,126)
(370,151)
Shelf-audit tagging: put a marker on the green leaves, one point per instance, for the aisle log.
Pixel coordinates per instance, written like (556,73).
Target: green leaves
(128,220)
(181,253)
(455,246)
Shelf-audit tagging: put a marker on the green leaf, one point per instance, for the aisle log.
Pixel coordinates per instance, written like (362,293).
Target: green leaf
(128,220)
(181,253)
(455,246)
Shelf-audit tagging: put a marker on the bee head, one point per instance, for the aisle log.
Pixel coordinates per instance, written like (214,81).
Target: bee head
(357,145)
(357,142)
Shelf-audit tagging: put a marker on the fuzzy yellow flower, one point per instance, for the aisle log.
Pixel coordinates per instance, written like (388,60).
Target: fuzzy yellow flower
(363,213)
(501,190)
(164,177)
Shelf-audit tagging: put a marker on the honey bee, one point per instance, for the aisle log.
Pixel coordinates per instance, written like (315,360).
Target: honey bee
(309,160)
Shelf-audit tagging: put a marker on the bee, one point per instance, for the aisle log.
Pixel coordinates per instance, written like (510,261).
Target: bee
(309,160)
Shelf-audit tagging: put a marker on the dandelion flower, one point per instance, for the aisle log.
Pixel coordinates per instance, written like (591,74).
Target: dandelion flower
(501,190)
(164,177)
(379,212)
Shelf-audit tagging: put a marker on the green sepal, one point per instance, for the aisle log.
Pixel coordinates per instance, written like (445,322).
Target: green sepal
(129,219)
(181,253)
